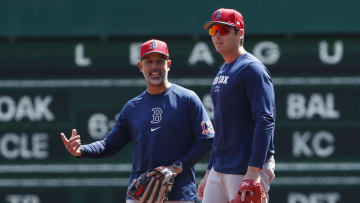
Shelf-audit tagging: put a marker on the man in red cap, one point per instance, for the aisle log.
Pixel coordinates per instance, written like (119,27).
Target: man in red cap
(167,123)
(244,116)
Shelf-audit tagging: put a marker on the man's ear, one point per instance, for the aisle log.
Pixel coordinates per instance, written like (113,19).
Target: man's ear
(168,64)
(241,33)
(139,64)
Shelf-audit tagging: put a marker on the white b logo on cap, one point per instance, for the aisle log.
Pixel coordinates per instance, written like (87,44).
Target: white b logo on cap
(153,45)
(218,15)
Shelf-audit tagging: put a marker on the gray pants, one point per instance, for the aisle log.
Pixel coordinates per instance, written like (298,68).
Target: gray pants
(222,187)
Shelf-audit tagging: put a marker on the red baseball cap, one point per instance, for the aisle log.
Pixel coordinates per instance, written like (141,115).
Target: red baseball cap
(154,46)
(226,16)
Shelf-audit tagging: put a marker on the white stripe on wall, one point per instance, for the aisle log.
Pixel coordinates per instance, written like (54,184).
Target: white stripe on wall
(123,182)
(64,182)
(316,181)
(126,167)
(58,83)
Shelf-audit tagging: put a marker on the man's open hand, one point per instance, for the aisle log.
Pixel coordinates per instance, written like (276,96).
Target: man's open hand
(73,144)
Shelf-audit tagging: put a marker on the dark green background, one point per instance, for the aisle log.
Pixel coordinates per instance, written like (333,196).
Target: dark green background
(73,106)
(47,68)
(67,18)
(37,45)
(299,56)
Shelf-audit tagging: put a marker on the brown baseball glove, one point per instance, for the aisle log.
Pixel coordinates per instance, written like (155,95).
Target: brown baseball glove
(153,189)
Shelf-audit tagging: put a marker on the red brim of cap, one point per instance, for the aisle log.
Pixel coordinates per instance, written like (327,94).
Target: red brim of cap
(210,23)
(159,52)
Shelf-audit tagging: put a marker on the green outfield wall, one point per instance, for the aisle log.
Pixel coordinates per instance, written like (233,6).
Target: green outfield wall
(52,86)
(83,18)
(317,139)
(89,58)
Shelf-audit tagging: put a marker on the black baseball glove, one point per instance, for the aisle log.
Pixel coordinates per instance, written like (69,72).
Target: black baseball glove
(153,189)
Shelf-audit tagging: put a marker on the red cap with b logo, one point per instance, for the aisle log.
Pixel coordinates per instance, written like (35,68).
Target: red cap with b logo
(226,16)
(154,46)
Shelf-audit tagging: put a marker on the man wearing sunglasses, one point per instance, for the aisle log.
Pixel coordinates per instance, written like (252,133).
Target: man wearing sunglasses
(167,124)
(244,119)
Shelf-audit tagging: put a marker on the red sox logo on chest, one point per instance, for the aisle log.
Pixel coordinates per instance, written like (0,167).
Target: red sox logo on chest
(156,117)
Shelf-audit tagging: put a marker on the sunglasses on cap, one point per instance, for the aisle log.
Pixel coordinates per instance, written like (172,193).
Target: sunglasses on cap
(220,28)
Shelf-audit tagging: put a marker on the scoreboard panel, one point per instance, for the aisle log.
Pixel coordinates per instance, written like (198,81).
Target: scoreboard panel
(48,87)
(89,58)
(316,139)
